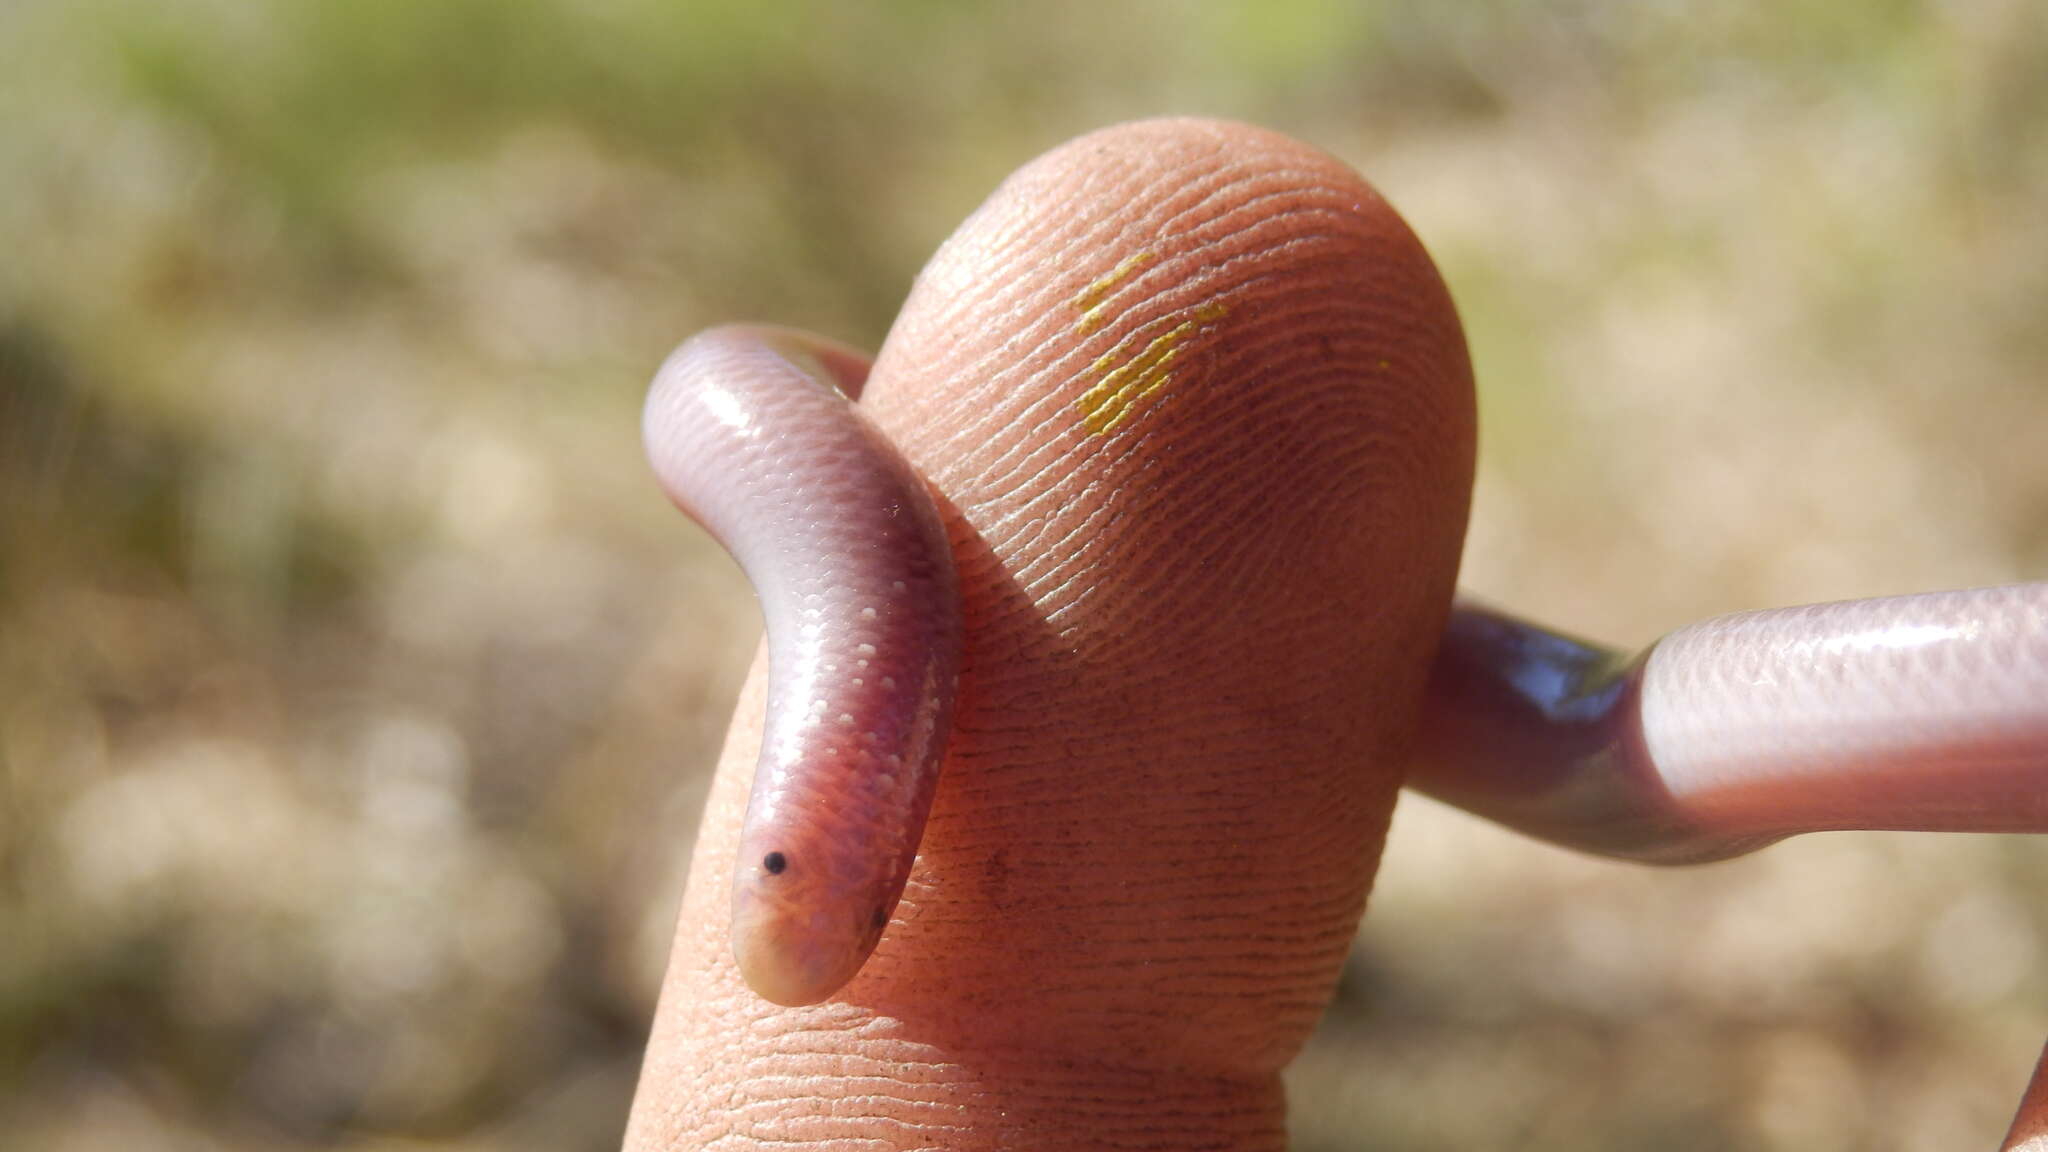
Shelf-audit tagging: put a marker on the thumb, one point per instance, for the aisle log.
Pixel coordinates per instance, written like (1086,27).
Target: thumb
(1200,416)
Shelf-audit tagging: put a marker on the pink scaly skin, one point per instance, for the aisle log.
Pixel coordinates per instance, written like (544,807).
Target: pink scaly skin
(1919,713)
(749,434)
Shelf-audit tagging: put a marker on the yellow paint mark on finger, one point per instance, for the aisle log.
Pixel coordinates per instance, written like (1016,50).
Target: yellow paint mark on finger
(1111,401)
(1090,301)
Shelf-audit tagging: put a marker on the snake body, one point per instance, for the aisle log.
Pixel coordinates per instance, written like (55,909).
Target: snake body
(759,440)
(1926,712)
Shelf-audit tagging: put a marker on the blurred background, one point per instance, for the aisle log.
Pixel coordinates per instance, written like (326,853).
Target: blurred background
(357,685)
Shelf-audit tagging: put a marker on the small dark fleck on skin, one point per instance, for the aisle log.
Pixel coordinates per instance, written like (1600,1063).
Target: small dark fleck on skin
(880,918)
(775,862)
